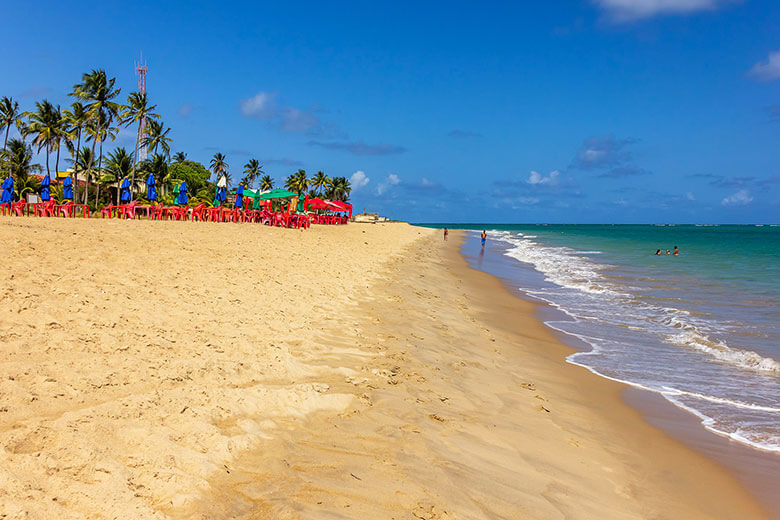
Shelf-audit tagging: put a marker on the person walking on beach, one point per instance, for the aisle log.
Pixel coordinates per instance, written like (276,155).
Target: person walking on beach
(484,237)
(446,232)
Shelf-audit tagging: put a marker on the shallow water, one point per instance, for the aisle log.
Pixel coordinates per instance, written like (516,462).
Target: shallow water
(702,329)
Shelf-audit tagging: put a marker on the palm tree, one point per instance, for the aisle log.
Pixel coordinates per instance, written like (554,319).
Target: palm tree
(18,155)
(319,181)
(76,118)
(297,182)
(156,135)
(266,183)
(252,169)
(339,189)
(44,124)
(157,165)
(100,132)
(179,157)
(98,89)
(61,133)
(219,166)
(9,116)
(119,165)
(138,111)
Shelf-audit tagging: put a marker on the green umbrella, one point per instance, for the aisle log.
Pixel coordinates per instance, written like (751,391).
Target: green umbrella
(278,194)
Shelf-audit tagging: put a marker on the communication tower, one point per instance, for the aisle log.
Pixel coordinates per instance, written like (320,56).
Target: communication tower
(141,69)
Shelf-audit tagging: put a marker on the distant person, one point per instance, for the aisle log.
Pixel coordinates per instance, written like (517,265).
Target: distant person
(446,232)
(658,252)
(667,252)
(484,238)
(676,251)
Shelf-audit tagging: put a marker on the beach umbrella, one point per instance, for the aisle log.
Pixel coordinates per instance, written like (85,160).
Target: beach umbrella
(278,193)
(124,193)
(239,197)
(151,190)
(45,183)
(182,198)
(8,191)
(67,188)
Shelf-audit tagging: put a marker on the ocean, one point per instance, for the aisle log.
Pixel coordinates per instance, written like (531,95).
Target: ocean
(702,329)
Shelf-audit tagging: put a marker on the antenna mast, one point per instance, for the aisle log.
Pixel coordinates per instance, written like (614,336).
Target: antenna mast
(141,69)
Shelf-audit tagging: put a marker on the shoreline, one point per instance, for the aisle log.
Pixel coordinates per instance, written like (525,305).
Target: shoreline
(253,373)
(757,469)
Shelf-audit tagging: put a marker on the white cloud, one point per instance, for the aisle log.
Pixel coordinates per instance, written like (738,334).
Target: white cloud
(690,196)
(260,106)
(630,10)
(359,180)
(392,180)
(740,198)
(426,182)
(538,178)
(767,70)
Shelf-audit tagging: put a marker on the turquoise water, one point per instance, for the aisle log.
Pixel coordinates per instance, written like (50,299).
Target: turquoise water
(702,328)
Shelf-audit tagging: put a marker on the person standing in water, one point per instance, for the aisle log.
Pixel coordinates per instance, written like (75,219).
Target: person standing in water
(484,237)
(446,232)
(676,251)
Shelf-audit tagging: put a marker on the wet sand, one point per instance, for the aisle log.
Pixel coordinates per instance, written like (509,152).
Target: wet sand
(198,370)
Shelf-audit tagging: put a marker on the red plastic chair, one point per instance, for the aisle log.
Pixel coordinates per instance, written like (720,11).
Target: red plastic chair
(199,212)
(127,211)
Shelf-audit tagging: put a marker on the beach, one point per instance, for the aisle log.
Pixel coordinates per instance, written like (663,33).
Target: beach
(200,370)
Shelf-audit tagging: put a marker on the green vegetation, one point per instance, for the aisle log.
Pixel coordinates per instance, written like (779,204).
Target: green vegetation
(93,120)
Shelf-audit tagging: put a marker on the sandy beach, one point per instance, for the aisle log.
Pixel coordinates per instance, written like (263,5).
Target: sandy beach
(199,370)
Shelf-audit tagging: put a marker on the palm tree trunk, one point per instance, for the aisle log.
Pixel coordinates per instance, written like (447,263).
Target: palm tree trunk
(47,160)
(75,165)
(5,143)
(135,158)
(97,193)
(89,171)
(57,162)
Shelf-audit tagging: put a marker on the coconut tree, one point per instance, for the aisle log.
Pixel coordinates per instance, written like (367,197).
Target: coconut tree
(97,89)
(44,126)
(157,165)
(119,165)
(266,183)
(338,189)
(319,181)
(61,134)
(179,157)
(219,166)
(156,136)
(252,169)
(19,156)
(297,182)
(9,116)
(137,111)
(76,119)
(100,132)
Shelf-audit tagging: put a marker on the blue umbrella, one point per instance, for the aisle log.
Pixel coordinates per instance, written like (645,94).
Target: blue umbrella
(124,194)
(8,191)
(151,191)
(45,183)
(222,194)
(182,198)
(239,197)
(67,188)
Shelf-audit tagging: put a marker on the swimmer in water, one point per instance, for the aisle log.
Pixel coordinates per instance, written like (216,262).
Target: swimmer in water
(676,251)
(657,251)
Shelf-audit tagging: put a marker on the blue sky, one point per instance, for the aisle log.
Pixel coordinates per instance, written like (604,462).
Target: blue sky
(567,111)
